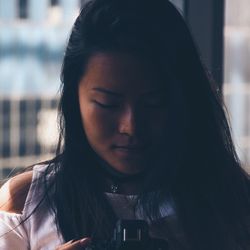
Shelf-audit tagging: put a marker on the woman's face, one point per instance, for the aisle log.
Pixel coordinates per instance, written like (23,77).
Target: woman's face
(123,110)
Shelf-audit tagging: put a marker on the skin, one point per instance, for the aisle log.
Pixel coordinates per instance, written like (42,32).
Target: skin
(128,132)
(75,244)
(13,193)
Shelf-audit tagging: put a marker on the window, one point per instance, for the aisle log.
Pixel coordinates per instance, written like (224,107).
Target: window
(30,61)
(23,9)
(54,2)
(237,74)
(180,4)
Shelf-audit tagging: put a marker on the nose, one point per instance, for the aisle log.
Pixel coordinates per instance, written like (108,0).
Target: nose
(127,124)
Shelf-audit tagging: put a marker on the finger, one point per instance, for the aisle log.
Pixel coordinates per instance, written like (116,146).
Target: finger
(75,244)
(85,242)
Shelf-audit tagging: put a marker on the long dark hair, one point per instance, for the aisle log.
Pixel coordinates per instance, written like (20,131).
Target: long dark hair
(203,174)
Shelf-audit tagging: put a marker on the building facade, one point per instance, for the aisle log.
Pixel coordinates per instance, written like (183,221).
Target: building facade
(33,34)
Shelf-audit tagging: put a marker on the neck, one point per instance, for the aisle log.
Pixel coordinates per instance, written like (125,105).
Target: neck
(118,182)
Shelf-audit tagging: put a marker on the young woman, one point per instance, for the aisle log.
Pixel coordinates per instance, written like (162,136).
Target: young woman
(143,136)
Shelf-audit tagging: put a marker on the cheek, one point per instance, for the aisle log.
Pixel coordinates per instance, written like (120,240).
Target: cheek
(98,126)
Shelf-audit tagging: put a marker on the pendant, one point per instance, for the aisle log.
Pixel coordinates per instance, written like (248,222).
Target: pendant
(114,188)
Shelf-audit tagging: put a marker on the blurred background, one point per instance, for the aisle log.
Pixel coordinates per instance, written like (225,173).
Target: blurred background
(236,86)
(33,36)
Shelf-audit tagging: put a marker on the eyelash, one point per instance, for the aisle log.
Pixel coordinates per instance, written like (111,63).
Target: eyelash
(149,105)
(105,106)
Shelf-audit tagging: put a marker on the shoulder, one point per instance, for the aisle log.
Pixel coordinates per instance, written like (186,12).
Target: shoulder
(14,192)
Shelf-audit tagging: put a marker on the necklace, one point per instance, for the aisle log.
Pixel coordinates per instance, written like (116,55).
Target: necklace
(116,178)
(114,188)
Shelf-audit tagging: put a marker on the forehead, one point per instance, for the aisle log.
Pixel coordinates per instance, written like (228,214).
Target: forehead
(121,72)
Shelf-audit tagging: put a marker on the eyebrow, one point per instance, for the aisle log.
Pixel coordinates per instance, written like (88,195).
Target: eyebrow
(107,91)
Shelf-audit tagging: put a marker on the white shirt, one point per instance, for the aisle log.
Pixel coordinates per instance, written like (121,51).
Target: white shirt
(39,231)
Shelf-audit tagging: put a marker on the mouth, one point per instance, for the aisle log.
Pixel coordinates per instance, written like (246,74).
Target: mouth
(129,149)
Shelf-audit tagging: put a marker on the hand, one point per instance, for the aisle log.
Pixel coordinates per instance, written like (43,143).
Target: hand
(75,244)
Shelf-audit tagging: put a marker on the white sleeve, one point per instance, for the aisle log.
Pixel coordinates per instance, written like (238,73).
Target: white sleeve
(12,234)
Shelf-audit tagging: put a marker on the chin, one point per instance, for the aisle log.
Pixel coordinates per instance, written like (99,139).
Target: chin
(130,168)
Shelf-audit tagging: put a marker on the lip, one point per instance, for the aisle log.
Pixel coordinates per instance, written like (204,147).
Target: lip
(130,150)
(131,147)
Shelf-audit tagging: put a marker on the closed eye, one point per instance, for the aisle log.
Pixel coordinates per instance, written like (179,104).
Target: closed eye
(106,106)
